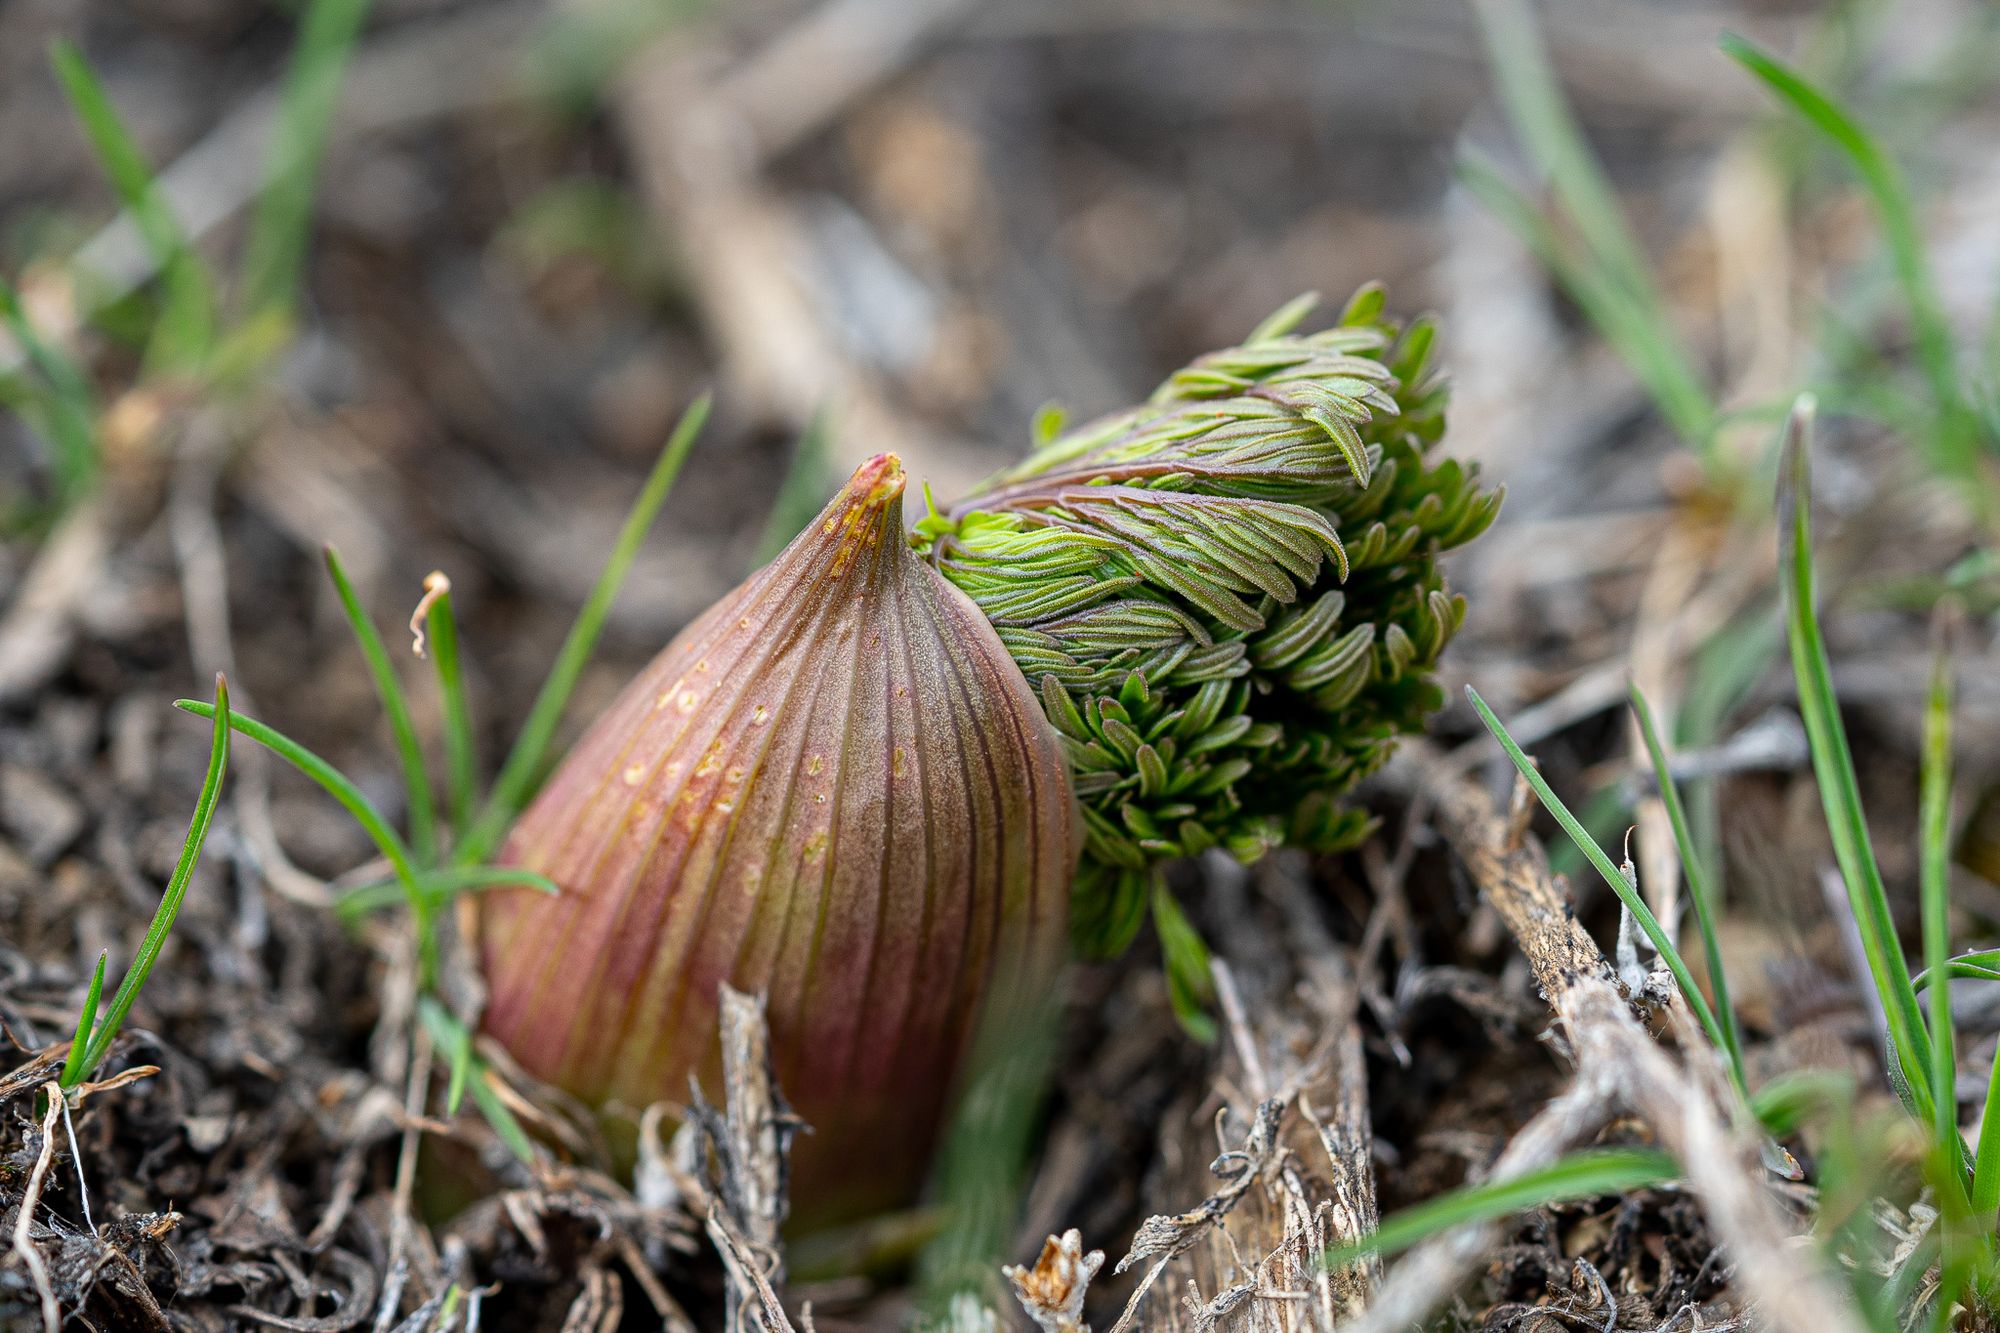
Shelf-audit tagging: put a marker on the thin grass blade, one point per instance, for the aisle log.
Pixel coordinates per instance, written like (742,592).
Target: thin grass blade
(1539,114)
(440,887)
(1934,876)
(72,1070)
(1893,207)
(104,1033)
(186,326)
(337,785)
(480,1081)
(469,1072)
(68,407)
(1833,766)
(389,688)
(1979,965)
(1190,985)
(1582,1175)
(1663,944)
(1699,891)
(275,251)
(809,483)
(523,769)
(436,618)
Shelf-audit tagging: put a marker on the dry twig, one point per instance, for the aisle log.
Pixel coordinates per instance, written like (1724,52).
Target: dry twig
(24,1243)
(743,1197)
(1620,1070)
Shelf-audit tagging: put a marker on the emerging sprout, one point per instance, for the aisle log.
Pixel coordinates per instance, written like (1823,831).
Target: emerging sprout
(833,788)
(837,787)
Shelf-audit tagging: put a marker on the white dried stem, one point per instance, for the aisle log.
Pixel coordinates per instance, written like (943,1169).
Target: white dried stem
(31,1197)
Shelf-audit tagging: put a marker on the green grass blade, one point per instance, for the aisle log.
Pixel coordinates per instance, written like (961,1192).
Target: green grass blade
(808,485)
(72,1070)
(497,1115)
(1628,325)
(1833,767)
(1979,965)
(1699,892)
(461,770)
(1581,1175)
(69,407)
(455,1039)
(186,326)
(1663,944)
(1190,985)
(440,887)
(1535,106)
(1934,880)
(984,1165)
(523,769)
(423,810)
(275,252)
(1956,444)
(104,1033)
(1986,1160)
(1528,88)
(337,785)
(468,1071)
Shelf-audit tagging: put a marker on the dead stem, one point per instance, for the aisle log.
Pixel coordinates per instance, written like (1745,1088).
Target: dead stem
(402,1219)
(742,1196)
(1619,1070)
(24,1245)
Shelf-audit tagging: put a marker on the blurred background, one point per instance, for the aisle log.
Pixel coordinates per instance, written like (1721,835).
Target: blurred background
(541,228)
(431,280)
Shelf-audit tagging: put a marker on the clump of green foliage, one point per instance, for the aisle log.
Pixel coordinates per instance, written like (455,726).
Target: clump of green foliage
(1229,598)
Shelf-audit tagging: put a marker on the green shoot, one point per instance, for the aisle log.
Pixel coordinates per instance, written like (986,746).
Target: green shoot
(72,1070)
(102,1034)
(1979,965)
(1610,280)
(1986,1159)
(440,887)
(523,768)
(423,811)
(469,1072)
(66,409)
(337,785)
(1833,766)
(1699,891)
(1605,814)
(1581,1175)
(1663,944)
(1190,986)
(275,251)
(984,1165)
(186,325)
(461,773)
(461,1067)
(1934,879)
(807,484)
(1955,443)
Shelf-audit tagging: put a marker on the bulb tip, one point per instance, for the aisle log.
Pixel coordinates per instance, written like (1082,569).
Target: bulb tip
(871,496)
(881,477)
